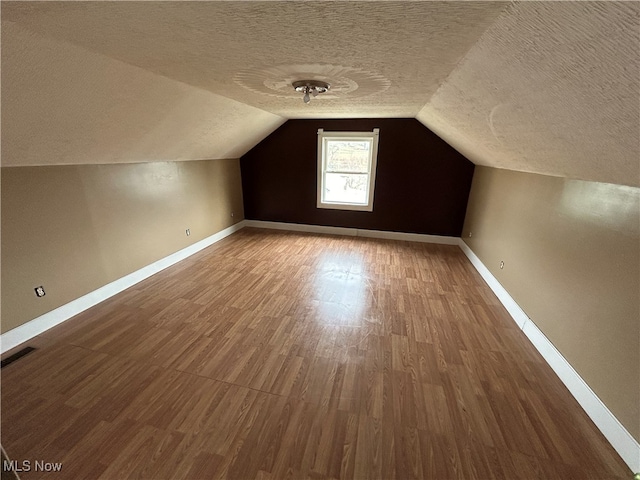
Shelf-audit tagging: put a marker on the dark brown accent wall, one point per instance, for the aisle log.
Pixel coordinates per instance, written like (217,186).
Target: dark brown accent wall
(422,184)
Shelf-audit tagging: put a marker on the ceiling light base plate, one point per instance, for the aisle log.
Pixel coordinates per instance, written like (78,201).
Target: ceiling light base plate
(310,87)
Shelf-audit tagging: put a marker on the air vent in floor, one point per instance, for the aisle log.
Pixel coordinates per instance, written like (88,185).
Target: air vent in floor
(19,354)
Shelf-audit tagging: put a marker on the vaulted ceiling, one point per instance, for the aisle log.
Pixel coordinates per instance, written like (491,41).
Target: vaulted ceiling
(545,87)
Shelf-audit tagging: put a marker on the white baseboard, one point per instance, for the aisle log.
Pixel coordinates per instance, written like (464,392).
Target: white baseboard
(621,440)
(354,232)
(509,303)
(27,331)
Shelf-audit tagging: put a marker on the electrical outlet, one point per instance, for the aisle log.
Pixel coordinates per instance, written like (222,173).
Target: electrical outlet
(501,265)
(188,231)
(231,214)
(469,234)
(39,291)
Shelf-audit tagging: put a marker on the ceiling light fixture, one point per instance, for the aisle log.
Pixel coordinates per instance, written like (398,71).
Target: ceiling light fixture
(310,88)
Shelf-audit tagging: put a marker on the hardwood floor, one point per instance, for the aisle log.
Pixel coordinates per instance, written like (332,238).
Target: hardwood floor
(279,355)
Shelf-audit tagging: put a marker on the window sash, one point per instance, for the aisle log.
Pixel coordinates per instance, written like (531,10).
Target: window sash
(323,140)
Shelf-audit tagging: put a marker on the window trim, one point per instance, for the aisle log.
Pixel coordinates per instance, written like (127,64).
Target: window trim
(356,136)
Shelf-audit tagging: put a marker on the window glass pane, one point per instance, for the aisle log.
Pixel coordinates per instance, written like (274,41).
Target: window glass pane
(346,188)
(347,156)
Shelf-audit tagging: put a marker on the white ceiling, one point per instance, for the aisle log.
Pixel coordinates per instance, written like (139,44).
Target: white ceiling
(547,87)
(552,88)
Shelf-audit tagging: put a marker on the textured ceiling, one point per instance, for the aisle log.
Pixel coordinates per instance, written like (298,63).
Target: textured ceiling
(553,88)
(547,87)
(233,48)
(64,105)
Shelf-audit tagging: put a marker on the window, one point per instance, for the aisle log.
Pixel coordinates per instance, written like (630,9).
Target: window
(347,169)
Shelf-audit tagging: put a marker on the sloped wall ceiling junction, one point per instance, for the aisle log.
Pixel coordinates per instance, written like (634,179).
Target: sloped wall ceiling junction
(217,46)
(422,184)
(127,196)
(62,104)
(552,88)
(544,87)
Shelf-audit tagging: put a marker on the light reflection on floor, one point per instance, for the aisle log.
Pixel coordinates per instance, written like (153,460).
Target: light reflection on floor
(341,290)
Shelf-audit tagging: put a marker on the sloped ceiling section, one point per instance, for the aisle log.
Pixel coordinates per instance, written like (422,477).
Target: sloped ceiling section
(62,104)
(545,87)
(552,88)
(384,59)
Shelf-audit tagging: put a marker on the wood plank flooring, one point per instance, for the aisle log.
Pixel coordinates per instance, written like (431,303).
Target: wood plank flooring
(277,355)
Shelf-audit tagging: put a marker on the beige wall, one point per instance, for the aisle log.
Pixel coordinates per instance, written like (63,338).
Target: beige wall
(571,252)
(93,186)
(73,229)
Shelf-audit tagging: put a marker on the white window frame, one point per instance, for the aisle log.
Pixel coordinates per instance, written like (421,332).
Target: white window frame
(371,137)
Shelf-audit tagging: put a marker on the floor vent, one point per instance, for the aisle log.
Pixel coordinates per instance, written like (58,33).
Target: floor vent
(16,356)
